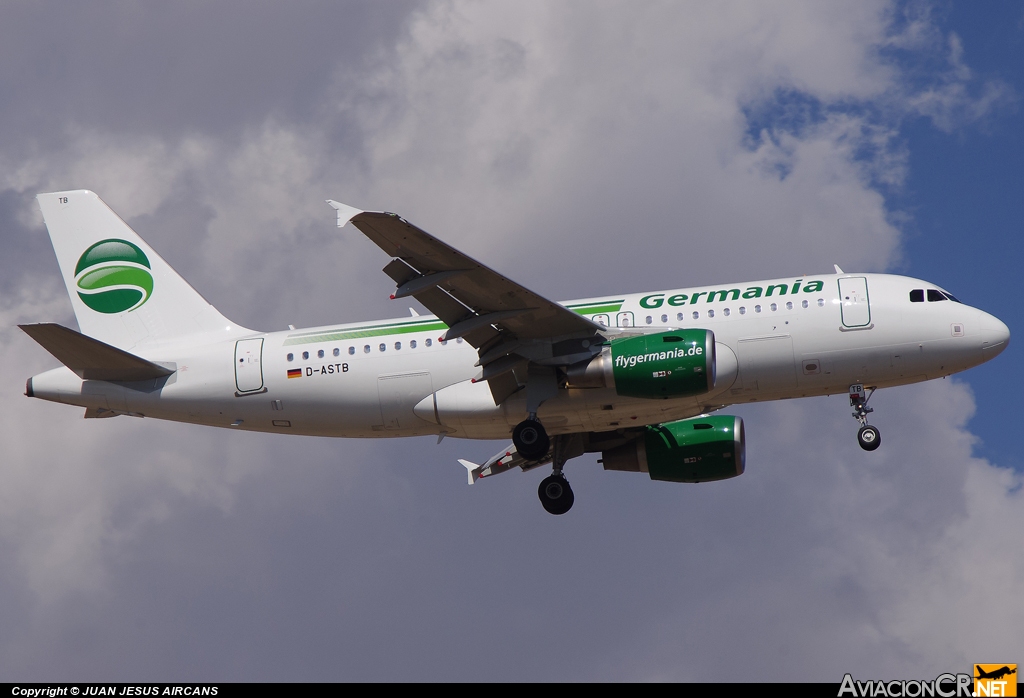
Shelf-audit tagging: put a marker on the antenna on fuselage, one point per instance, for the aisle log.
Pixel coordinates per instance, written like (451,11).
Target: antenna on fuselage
(838,270)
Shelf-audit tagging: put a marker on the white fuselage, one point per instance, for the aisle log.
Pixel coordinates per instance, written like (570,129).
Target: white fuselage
(395,378)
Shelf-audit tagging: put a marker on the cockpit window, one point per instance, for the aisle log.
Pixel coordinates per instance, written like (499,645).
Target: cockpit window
(950,297)
(917,295)
(934,295)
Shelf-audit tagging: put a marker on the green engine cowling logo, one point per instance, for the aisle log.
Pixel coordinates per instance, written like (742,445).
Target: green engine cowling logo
(114,276)
(677,363)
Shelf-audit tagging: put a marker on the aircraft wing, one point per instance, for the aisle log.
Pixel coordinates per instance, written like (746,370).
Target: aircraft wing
(508,324)
(475,301)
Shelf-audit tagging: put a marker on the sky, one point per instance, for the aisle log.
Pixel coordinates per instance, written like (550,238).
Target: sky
(582,149)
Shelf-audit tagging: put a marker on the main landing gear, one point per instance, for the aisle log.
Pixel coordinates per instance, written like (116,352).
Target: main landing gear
(555,494)
(868,436)
(530,439)
(533,443)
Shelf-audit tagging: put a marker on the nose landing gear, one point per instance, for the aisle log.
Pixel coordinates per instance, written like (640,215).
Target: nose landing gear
(868,436)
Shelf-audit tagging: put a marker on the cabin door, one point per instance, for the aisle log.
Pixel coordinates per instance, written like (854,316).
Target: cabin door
(853,293)
(249,365)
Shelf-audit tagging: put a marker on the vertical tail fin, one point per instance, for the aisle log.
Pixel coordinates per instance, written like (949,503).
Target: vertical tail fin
(122,291)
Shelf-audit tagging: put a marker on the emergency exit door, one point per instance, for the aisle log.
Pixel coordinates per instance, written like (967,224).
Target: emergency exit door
(249,365)
(853,294)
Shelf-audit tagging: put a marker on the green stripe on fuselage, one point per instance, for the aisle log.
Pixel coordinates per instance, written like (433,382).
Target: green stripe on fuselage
(594,308)
(422,326)
(368,331)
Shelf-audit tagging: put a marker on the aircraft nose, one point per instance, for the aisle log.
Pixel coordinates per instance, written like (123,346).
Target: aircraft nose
(995,336)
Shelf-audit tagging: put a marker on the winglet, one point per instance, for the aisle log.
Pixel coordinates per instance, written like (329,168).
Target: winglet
(345,212)
(838,270)
(472,470)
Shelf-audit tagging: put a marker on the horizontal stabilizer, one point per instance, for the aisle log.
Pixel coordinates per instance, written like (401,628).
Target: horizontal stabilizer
(90,358)
(499,463)
(472,468)
(100,413)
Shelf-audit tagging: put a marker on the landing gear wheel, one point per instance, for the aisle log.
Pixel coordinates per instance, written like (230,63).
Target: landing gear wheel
(555,494)
(869,437)
(531,440)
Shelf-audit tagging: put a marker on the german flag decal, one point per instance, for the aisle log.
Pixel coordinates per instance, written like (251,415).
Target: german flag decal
(295,373)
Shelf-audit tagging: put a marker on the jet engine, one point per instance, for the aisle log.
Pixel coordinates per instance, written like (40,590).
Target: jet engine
(678,363)
(701,449)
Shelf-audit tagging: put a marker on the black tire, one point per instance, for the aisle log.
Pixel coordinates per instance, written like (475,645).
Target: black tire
(555,495)
(869,437)
(531,440)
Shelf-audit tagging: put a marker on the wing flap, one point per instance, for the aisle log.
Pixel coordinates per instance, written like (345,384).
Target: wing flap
(90,358)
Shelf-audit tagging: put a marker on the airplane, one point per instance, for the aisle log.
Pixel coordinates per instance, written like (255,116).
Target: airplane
(1004,670)
(995,674)
(638,377)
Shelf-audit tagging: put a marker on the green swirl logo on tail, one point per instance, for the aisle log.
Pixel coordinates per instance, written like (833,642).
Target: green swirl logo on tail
(113,276)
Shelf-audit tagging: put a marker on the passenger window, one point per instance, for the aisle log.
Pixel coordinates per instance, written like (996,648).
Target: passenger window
(934,295)
(601,319)
(695,315)
(351,350)
(743,310)
(428,341)
(412,344)
(398,345)
(789,305)
(337,351)
(821,302)
(757,308)
(726,312)
(649,319)
(664,318)
(711,313)
(305,355)
(320,354)
(291,357)
(774,307)
(366,349)
(679,317)
(383,346)
(805,304)
(917,295)
(458,340)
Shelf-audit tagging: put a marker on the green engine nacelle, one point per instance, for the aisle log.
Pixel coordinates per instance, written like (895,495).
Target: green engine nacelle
(679,363)
(701,449)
